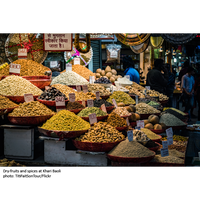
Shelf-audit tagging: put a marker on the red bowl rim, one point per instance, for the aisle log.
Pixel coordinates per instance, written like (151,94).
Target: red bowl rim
(97,117)
(8,108)
(30,116)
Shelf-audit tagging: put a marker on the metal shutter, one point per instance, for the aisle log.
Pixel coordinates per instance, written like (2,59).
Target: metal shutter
(97,61)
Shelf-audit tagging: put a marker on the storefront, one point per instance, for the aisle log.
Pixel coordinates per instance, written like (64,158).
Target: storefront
(65,100)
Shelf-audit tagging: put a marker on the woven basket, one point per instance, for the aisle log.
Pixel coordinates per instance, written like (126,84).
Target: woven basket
(31,40)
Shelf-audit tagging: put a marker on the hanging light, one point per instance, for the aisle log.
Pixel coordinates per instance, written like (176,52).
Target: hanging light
(174,53)
(161,50)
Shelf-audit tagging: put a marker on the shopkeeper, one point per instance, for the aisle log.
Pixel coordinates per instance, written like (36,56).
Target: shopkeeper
(128,65)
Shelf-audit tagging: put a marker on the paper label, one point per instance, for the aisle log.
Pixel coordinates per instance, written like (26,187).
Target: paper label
(114,102)
(28,97)
(14,69)
(53,64)
(169,132)
(68,67)
(165,144)
(78,88)
(22,53)
(169,140)
(85,88)
(97,95)
(92,118)
(127,121)
(90,103)
(72,97)
(147,87)
(76,61)
(113,54)
(103,108)
(47,87)
(60,103)
(164,152)
(137,128)
(91,79)
(83,103)
(140,123)
(130,135)
(128,77)
(136,99)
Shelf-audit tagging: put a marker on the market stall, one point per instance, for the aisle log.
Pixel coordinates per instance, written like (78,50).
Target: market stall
(81,117)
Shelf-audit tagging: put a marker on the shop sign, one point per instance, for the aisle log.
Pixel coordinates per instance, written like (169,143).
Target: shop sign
(164,152)
(78,88)
(28,97)
(77,61)
(90,103)
(169,132)
(85,88)
(169,140)
(97,95)
(103,108)
(14,69)
(140,123)
(60,103)
(114,102)
(136,99)
(93,118)
(127,121)
(165,144)
(130,135)
(68,67)
(72,97)
(57,42)
(22,53)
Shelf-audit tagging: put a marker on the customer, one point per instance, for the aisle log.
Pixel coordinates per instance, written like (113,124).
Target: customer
(155,79)
(197,92)
(170,85)
(188,91)
(184,69)
(128,65)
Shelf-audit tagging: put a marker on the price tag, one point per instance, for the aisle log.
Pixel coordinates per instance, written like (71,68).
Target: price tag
(77,61)
(22,53)
(147,87)
(72,97)
(137,128)
(169,132)
(92,118)
(127,121)
(165,144)
(85,88)
(28,97)
(14,69)
(97,95)
(114,102)
(103,108)
(83,103)
(164,152)
(47,87)
(68,67)
(91,79)
(136,99)
(140,123)
(128,77)
(90,103)
(60,103)
(113,54)
(169,140)
(130,135)
(78,88)
(53,64)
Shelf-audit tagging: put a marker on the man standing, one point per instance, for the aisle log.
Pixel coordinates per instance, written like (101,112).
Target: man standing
(188,91)
(155,79)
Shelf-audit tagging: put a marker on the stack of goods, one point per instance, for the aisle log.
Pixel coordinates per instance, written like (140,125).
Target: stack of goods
(3,66)
(82,71)
(6,103)
(103,80)
(18,86)
(121,97)
(64,89)
(74,105)
(108,73)
(143,108)
(33,108)
(139,135)
(97,87)
(101,132)
(65,120)
(116,121)
(69,78)
(28,68)
(153,123)
(170,120)
(98,103)
(131,149)
(51,94)
(151,135)
(6,163)
(134,91)
(89,110)
(121,111)
(123,81)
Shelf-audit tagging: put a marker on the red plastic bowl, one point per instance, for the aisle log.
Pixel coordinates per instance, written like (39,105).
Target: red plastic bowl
(8,110)
(155,148)
(131,159)
(61,134)
(145,116)
(98,118)
(95,147)
(41,83)
(32,120)
(49,103)
(109,108)
(76,110)
(158,131)
(121,128)
(19,99)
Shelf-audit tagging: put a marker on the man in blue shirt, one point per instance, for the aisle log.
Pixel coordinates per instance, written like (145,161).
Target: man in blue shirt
(188,91)
(128,65)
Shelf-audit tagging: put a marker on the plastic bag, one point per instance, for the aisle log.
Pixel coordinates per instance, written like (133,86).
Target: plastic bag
(113,53)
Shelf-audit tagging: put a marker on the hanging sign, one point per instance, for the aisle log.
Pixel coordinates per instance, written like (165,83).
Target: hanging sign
(22,53)
(130,135)
(57,42)
(114,102)
(77,61)
(90,103)
(72,97)
(28,97)
(60,103)
(97,95)
(85,88)
(14,69)
(93,118)
(103,108)
(140,123)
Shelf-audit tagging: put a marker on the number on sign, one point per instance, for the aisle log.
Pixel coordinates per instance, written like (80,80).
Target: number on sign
(90,103)
(72,97)
(28,97)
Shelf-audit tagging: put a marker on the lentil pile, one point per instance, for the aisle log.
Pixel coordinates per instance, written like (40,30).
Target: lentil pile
(33,108)
(101,132)
(65,120)
(97,87)
(18,86)
(116,121)
(167,159)
(121,97)
(143,108)
(170,120)
(121,111)
(6,103)
(51,94)
(89,110)
(151,135)
(28,68)
(131,149)
(69,78)
(98,103)
(74,105)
